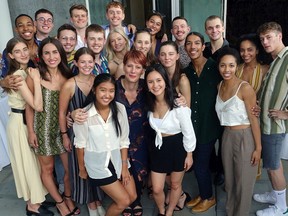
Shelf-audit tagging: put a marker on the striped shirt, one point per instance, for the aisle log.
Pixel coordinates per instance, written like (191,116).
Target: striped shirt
(273,94)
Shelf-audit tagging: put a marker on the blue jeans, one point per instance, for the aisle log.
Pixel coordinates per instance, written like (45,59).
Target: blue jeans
(201,157)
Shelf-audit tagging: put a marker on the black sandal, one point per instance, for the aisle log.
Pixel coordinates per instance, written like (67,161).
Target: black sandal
(128,212)
(76,210)
(138,210)
(58,203)
(187,199)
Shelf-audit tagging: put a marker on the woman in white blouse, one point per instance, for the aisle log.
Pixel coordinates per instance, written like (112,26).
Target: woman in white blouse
(102,145)
(175,139)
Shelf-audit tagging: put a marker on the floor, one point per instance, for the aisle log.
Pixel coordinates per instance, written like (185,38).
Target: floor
(10,205)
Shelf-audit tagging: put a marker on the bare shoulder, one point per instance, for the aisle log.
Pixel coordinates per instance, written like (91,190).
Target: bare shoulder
(68,84)
(246,90)
(184,79)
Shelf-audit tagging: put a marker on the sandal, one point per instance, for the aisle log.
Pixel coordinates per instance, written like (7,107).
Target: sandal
(180,207)
(76,210)
(138,210)
(58,210)
(128,212)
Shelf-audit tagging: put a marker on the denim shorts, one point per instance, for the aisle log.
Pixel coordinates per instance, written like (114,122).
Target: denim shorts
(271,150)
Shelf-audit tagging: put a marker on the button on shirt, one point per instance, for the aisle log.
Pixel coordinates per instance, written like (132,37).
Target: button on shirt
(100,142)
(203,97)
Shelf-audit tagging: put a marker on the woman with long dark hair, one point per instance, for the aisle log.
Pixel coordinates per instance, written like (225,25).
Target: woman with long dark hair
(102,145)
(43,127)
(174,137)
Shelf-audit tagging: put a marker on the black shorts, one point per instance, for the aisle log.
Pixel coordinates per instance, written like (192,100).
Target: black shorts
(104,181)
(170,157)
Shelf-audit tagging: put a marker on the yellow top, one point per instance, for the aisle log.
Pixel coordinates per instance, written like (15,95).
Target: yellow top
(256,78)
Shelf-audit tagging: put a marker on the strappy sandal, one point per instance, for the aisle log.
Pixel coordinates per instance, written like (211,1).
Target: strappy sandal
(76,210)
(128,212)
(59,203)
(187,199)
(138,210)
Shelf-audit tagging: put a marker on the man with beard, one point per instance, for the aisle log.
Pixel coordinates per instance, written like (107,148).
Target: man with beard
(180,30)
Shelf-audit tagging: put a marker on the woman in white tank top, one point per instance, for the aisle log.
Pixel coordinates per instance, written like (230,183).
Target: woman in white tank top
(241,145)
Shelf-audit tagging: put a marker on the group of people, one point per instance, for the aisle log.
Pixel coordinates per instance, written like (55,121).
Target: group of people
(114,109)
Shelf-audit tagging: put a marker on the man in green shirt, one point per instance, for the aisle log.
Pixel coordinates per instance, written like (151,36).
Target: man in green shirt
(273,99)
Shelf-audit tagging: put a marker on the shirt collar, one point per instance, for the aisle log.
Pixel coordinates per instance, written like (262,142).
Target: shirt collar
(282,52)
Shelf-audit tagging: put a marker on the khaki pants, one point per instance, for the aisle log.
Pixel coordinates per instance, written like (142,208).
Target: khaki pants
(240,175)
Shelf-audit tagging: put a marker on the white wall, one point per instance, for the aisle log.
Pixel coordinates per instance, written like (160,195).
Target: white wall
(6,26)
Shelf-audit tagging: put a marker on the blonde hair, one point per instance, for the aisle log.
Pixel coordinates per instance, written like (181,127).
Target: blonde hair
(109,50)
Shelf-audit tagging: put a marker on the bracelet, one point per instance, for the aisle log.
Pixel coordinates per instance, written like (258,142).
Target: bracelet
(64,132)
(125,161)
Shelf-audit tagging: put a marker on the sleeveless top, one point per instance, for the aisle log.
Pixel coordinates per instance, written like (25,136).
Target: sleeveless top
(46,125)
(231,112)
(256,79)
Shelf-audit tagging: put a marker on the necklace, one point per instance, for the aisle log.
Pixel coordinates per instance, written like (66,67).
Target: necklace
(88,82)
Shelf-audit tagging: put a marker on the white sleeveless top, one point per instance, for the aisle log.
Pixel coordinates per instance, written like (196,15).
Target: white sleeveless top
(231,112)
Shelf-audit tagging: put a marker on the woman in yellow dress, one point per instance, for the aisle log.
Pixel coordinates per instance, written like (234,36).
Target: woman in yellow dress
(24,163)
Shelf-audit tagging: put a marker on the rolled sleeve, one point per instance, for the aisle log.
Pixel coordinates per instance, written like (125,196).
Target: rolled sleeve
(81,135)
(189,138)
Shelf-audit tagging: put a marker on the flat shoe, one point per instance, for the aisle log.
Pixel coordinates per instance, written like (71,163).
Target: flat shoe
(193,202)
(204,205)
(42,211)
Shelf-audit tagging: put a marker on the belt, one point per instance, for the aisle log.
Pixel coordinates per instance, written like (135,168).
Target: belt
(17,110)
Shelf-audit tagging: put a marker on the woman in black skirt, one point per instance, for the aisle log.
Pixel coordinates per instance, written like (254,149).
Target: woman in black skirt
(175,139)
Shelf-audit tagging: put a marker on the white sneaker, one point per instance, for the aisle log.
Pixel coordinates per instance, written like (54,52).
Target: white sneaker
(265,198)
(101,211)
(271,211)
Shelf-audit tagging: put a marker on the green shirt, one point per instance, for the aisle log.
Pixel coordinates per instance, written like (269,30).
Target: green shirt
(273,94)
(203,97)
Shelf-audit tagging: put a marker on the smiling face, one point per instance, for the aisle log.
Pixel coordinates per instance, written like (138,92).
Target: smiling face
(95,41)
(85,64)
(143,42)
(168,56)
(154,24)
(214,29)
(194,47)
(118,43)
(133,71)
(248,51)
(51,56)
(79,18)
(156,84)
(44,23)
(68,40)
(180,29)
(227,67)
(25,28)
(115,16)
(104,93)
(20,53)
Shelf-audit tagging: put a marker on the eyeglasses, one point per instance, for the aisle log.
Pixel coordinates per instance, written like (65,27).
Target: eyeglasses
(43,20)
(68,38)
